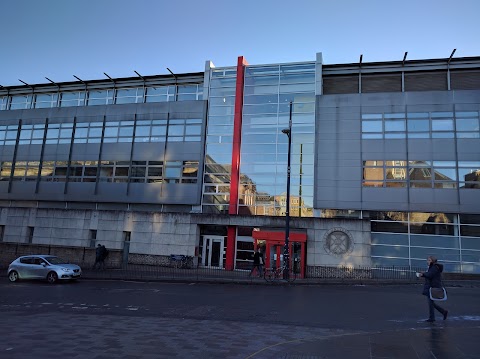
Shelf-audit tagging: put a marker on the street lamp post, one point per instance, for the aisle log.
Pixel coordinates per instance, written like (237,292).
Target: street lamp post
(286,256)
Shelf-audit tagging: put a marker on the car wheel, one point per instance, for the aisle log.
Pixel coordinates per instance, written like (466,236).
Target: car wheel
(13,276)
(52,277)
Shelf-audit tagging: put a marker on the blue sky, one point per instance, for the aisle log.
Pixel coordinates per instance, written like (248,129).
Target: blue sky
(61,38)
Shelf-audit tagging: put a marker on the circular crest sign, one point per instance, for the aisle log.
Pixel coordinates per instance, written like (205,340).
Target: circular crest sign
(338,242)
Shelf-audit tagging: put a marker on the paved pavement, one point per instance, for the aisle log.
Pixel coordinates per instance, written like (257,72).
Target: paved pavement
(114,319)
(108,336)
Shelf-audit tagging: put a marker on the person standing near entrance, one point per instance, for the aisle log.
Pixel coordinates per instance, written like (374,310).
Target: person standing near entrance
(433,279)
(257,263)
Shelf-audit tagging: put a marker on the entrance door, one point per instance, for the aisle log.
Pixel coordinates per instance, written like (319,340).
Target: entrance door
(276,256)
(212,251)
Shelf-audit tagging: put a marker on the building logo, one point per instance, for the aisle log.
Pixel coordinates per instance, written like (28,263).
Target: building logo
(338,242)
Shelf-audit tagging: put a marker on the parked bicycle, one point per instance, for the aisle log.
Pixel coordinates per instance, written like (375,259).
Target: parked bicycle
(181,261)
(280,273)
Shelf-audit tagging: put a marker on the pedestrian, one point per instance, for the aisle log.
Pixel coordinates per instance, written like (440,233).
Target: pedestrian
(100,255)
(257,263)
(433,279)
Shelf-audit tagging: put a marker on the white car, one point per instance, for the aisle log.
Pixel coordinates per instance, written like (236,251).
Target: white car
(47,267)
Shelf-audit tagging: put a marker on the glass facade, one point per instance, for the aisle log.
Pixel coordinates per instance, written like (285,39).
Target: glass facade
(264,151)
(218,145)
(422,174)
(105,171)
(93,97)
(461,124)
(407,239)
(179,130)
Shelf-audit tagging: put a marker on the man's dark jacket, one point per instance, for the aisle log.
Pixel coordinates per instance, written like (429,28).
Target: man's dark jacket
(433,277)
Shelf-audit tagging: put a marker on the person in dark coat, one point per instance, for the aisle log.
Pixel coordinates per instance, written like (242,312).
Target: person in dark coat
(100,255)
(257,263)
(433,279)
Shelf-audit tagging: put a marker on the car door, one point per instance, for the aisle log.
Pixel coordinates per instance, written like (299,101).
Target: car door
(24,267)
(39,271)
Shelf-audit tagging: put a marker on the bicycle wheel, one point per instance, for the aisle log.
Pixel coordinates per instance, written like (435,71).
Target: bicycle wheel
(292,276)
(269,275)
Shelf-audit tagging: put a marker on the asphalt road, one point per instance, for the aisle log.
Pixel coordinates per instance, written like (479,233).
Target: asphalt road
(115,319)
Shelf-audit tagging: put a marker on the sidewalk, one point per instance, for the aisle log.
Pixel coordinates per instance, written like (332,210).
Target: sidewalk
(209,275)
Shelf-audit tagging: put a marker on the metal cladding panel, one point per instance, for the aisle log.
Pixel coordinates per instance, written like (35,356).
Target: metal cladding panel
(467,99)
(385,198)
(51,190)
(422,199)
(335,140)
(470,199)
(4,190)
(444,150)
(29,152)
(184,151)
(78,191)
(84,151)
(468,149)
(22,190)
(148,151)
(111,192)
(431,100)
(384,149)
(56,152)
(116,151)
(6,153)
(173,193)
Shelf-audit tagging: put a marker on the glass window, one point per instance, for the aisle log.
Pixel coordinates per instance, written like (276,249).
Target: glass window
(173,169)
(394,125)
(389,251)
(20,102)
(72,99)
(129,95)
(160,94)
(3,102)
(442,125)
(372,126)
(418,125)
(100,97)
(176,130)
(46,100)
(467,124)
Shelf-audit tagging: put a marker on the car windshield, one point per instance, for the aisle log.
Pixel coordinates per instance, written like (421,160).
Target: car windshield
(56,260)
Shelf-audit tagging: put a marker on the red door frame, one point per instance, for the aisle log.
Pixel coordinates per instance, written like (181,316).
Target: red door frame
(278,239)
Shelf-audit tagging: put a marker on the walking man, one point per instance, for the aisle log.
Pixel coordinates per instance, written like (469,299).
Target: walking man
(257,263)
(100,255)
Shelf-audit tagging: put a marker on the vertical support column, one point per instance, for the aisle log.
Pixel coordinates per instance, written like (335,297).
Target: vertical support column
(237,137)
(235,172)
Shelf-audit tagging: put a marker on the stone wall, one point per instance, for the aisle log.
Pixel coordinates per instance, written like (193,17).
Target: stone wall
(339,243)
(155,236)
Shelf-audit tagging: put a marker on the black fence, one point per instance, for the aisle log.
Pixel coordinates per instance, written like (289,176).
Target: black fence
(184,268)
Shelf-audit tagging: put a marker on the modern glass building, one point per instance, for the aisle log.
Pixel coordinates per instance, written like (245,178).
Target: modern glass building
(385,163)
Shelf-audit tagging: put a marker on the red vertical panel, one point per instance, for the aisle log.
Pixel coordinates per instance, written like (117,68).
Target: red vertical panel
(237,137)
(230,255)
(235,172)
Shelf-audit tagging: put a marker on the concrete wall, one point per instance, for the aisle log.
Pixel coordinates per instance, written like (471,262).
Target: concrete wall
(330,242)
(151,233)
